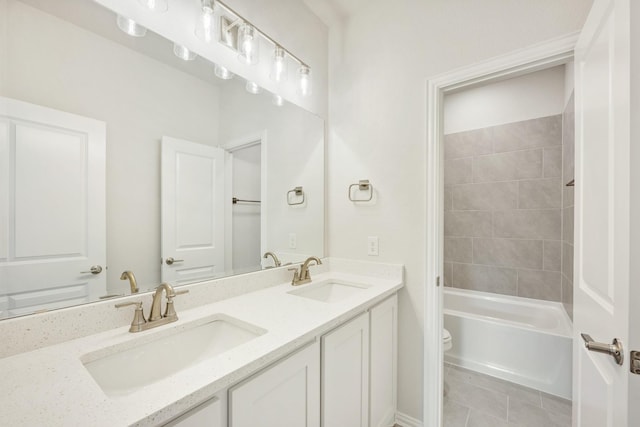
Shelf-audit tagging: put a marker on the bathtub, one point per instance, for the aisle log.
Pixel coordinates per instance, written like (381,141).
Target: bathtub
(522,340)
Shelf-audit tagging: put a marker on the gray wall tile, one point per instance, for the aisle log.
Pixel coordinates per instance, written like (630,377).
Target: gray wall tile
(552,161)
(484,278)
(539,284)
(567,225)
(567,195)
(448,200)
(489,196)
(467,223)
(458,171)
(514,253)
(470,143)
(535,133)
(448,274)
(531,224)
(552,255)
(567,260)
(508,166)
(540,194)
(567,295)
(457,249)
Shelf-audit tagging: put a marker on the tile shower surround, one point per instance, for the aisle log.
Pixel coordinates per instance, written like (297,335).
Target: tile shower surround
(504,209)
(568,171)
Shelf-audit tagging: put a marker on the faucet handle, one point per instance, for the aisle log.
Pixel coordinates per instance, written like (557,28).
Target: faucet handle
(169,310)
(138,316)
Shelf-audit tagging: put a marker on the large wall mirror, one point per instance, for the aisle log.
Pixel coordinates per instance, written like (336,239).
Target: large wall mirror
(118,160)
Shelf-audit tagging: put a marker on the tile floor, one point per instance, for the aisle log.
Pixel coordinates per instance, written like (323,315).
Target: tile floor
(477,400)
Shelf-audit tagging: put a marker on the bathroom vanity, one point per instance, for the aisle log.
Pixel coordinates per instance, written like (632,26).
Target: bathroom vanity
(278,355)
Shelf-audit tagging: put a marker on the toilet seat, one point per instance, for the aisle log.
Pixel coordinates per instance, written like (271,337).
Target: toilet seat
(446,340)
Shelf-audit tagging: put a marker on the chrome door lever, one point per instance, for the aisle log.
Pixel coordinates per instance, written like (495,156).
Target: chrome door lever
(614,349)
(95,269)
(170,260)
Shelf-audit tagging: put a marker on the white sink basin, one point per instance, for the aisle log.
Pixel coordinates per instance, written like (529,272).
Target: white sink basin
(329,291)
(126,371)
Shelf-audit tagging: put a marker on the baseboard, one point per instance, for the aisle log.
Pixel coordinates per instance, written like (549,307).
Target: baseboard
(404,420)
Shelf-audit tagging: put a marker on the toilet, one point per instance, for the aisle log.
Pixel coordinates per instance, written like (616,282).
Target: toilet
(446,340)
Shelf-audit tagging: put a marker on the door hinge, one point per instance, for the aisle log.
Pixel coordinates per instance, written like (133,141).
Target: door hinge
(437,281)
(634,362)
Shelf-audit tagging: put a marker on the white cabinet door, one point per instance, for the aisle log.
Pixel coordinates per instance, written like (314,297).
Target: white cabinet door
(211,413)
(284,395)
(192,198)
(52,208)
(383,362)
(345,374)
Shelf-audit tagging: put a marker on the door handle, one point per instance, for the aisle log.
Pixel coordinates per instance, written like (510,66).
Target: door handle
(614,349)
(95,269)
(170,260)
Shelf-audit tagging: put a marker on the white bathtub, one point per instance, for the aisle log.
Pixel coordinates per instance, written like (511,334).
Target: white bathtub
(521,340)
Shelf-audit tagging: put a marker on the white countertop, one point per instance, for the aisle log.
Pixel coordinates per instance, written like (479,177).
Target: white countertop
(50,386)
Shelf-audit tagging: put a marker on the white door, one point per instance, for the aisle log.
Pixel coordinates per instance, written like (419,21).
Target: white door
(192,194)
(602,228)
(52,208)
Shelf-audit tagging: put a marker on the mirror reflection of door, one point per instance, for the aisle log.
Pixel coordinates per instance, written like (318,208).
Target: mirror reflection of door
(245,212)
(52,208)
(192,211)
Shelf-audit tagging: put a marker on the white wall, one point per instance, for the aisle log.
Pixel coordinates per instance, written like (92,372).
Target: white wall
(379,61)
(58,65)
(539,94)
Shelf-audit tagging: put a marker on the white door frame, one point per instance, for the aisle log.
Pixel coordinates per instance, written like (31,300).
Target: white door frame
(230,146)
(537,57)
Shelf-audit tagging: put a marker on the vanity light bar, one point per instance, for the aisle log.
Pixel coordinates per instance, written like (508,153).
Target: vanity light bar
(227,8)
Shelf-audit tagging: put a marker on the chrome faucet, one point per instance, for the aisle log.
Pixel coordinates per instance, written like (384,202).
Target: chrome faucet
(139,322)
(302,277)
(276,261)
(128,275)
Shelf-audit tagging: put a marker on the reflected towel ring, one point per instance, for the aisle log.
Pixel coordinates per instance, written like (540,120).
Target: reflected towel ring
(363,185)
(297,192)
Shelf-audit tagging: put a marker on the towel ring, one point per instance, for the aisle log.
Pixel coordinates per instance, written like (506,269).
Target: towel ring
(297,192)
(363,185)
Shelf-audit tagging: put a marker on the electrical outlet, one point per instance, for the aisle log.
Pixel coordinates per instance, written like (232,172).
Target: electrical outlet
(372,246)
(293,241)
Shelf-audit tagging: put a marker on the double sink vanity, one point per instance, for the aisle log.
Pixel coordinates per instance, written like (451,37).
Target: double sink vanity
(259,352)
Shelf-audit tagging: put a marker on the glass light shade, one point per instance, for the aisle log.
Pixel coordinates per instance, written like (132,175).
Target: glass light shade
(183,53)
(206,23)
(277,100)
(248,44)
(252,87)
(155,5)
(222,72)
(131,27)
(304,81)
(278,65)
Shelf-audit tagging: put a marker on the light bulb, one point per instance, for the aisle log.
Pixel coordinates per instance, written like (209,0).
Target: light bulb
(278,65)
(155,5)
(222,72)
(277,100)
(252,87)
(130,26)
(304,76)
(248,44)
(205,24)
(183,53)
